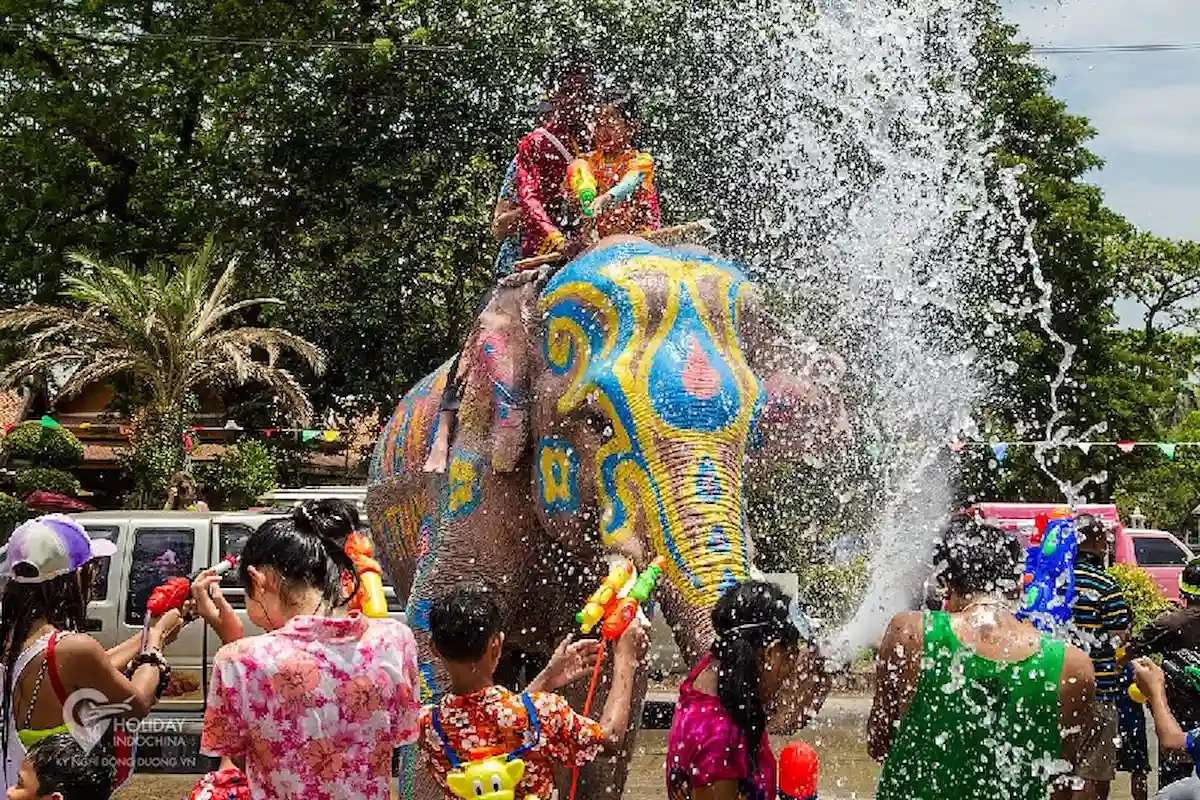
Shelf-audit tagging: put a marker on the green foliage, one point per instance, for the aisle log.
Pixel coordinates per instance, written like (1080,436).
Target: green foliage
(12,513)
(1146,601)
(156,453)
(48,447)
(240,475)
(45,479)
(832,591)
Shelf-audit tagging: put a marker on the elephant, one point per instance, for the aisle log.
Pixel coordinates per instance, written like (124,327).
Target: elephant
(607,408)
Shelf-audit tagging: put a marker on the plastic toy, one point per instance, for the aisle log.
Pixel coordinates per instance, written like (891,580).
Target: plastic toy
(1181,667)
(369,599)
(582,183)
(604,600)
(641,169)
(1050,566)
(490,776)
(175,592)
(617,621)
(798,769)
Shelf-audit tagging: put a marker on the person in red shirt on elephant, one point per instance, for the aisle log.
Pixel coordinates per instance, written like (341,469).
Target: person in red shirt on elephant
(543,156)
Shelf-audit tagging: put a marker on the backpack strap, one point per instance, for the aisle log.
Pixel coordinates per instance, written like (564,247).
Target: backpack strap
(60,691)
(557,144)
(451,756)
(535,727)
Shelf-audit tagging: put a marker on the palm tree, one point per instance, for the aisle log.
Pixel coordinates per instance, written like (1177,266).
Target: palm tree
(163,328)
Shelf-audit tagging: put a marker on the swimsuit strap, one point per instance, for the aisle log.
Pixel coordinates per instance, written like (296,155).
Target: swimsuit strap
(55,682)
(535,727)
(451,756)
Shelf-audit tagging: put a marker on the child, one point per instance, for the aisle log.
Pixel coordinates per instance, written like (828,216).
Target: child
(58,768)
(615,157)
(1171,738)
(718,743)
(478,718)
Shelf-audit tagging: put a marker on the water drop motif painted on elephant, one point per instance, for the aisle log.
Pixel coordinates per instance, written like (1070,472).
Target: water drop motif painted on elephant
(674,384)
(558,476)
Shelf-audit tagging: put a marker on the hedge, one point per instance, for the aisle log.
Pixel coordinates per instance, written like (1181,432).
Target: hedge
(44,447)
(45,479)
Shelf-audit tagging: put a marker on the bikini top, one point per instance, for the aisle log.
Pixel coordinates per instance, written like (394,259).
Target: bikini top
(535,728)
(31,736)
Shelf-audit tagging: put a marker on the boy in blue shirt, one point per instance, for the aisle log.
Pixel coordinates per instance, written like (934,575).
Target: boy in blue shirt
(1171,737)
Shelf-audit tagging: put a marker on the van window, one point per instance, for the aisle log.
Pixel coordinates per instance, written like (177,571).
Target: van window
(158,554)
(100,586)
(1152,551)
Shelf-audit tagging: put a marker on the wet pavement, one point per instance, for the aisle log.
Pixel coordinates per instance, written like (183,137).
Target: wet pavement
(839,735)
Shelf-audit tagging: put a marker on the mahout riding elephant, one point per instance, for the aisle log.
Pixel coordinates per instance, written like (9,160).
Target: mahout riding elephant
(607,408)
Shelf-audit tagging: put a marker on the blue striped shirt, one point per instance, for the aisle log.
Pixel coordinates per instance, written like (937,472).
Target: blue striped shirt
(1099,612)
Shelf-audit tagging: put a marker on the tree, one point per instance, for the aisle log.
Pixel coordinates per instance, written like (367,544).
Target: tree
(1163,276)
(167,332)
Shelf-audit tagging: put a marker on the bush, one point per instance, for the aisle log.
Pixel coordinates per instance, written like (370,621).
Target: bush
(44,479)
(242,474)
(45,447)
(1146,601)
(12,513)
(155,454)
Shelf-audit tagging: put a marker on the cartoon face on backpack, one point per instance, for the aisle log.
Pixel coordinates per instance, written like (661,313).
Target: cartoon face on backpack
(487,779)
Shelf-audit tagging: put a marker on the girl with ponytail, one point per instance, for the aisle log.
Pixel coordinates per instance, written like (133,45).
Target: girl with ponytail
(316,705)
(718,748)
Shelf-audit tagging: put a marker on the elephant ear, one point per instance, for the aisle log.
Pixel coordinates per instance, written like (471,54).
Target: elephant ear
(493,415)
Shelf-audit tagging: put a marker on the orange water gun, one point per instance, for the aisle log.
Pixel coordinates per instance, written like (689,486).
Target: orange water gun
(605,599)
(582,183)
(369,598)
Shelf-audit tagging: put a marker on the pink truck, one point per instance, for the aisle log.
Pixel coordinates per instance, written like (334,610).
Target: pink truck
(1158,552)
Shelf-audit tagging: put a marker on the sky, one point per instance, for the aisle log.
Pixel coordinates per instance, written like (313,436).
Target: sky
(1144,106)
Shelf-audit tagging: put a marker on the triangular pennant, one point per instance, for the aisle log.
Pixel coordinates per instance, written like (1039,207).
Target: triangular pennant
(1084,447)
(1000,451)
(50,422)
(308,436)
(332,436)
(1168,449)
(269,432)
(957,446)
(1126,447)
(874,449)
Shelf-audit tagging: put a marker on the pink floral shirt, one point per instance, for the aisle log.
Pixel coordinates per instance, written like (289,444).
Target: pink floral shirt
(316,707)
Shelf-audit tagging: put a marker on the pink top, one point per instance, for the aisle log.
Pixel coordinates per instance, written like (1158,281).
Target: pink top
(707,746)
(316,707)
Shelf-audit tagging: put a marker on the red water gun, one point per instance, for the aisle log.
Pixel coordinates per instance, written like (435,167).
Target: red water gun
(369,599)
(175,592)
(798,768)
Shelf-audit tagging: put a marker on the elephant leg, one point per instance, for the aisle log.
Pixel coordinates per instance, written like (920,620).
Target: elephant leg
(604,778)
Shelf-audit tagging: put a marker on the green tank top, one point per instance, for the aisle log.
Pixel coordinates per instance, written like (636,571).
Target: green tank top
(976,728)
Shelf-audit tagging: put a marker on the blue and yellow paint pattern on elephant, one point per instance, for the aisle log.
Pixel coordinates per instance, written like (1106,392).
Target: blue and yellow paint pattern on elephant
(675,385)
(395,450)
(558,476)
(465,479)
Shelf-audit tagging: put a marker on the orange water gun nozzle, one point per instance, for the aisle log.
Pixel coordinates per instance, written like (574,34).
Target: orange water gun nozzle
(604,600)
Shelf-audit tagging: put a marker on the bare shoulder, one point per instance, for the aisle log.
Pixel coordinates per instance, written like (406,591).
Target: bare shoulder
(906,626)
(1077,665)
(78,647)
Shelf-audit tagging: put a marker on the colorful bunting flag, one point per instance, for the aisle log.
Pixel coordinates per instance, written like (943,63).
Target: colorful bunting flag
(1168,449)
(50,422)
(331,436)
(1084,447)
(1000,451)
(1126,447)
(957,446)
(308,436)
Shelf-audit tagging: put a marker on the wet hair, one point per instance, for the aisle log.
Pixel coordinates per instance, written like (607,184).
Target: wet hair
(463,621)
(748,619)
(625,102)
(307,549)
(61,601)
(1090,530)
(62,766)
(975,557)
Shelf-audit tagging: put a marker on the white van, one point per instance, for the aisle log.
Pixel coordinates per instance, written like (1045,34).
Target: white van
(153,546)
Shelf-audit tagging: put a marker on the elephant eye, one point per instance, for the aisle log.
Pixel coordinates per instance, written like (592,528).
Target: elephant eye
(598,423)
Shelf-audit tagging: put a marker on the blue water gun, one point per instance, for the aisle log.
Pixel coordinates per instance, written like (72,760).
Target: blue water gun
(1050,575)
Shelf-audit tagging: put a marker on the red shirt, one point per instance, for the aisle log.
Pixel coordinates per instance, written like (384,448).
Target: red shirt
(541,175)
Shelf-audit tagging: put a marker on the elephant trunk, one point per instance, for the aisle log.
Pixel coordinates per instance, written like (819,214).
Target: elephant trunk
(704,540)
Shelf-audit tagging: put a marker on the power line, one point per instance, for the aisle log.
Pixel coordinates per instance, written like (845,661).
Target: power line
(1116,48)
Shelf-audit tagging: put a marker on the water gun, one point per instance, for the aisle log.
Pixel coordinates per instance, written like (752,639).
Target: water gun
(175,592)
(582,183)
(1050,576)
(604,600)
(1181,667)
(798,769)
(617,621)
(369,599)
(642,169)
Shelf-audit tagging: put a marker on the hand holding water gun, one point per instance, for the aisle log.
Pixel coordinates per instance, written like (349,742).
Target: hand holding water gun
(212,605)
(582,184)
(1050,568)
(172,594)
(640,171)
(1181,668)
(604,600)
(369,598)
(628,607)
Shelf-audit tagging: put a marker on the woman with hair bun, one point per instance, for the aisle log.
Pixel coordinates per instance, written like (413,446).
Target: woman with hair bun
(315,706)
(718,747)
(972,702)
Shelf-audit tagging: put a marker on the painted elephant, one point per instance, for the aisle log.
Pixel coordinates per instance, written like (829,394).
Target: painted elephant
(606,408)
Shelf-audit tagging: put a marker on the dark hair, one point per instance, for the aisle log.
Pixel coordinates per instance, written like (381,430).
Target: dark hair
(62,766)
(1191,577)
(749,618)
(463,621)
(185,487)
(625,102)
(61,601)
(306,549)
(974,556)
(1089,529)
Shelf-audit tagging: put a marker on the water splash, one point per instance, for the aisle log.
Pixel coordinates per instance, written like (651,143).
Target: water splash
(877,229)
